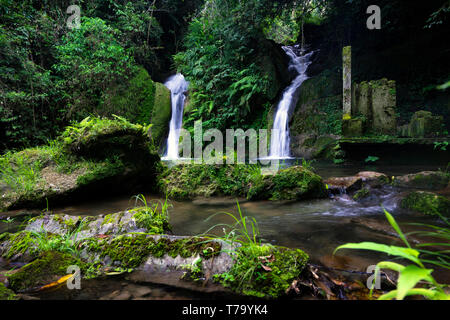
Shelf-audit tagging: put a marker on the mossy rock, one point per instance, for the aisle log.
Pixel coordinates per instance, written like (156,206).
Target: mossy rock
(263,271)
(162,112)
(295,183)
(49,267)
(7,294)
(93,156)
(141,100)
(427,180)
(427,203)
(188,181)
(129,251)
(361,194)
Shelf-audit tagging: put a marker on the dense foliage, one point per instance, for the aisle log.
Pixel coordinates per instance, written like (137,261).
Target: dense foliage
(50,73)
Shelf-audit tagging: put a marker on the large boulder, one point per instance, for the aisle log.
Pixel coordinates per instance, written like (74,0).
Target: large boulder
(92,157)
(357,183)
(313,146)
(141,100)
(162,112)
(427,180)
(189,181)
(295,183)
(427,203)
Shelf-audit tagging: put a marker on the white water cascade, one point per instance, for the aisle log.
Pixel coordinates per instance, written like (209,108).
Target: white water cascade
(178,87)
(280,140)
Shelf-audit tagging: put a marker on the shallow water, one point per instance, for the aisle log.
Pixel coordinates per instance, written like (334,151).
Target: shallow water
(316,226)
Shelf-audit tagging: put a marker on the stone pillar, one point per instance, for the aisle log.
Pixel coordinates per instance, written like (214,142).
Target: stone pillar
(384,103)
(347,80)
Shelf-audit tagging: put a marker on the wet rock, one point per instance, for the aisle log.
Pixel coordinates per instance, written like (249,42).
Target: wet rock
(427,180)
(427,203)
(111,295)
(344,184)
(138,291)
(124,295)
(355,183)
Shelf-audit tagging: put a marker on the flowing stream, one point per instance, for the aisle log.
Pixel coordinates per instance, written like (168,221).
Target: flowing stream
(280,141)
(178,87)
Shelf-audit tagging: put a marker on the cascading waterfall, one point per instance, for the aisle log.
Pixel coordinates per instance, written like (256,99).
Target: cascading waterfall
(178,87)
(280,140)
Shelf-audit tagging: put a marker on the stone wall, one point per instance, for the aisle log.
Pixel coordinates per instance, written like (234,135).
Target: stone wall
(374,103)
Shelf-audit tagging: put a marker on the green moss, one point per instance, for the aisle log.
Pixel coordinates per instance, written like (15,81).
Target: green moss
(100,171)
(263,271)
(190,181)
(49,267)
(6,294)
(132,250)
(294,183)
(427,203)
(161,114)
(133,99)
(361,194)
(95,149)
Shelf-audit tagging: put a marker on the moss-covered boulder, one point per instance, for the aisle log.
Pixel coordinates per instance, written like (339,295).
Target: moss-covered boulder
(141,100)
(263,271)
(64,231)
(92,157)
(312,146)
(427,203)
(188,181)
(7,294)
(295,183)
(162,112)
(426,180)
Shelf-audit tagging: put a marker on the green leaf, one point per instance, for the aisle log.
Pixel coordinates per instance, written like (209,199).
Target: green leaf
(409,277)
(406,253)
(396,227)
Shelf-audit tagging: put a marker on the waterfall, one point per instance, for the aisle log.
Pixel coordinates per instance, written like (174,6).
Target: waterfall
(178,87)
(280,140)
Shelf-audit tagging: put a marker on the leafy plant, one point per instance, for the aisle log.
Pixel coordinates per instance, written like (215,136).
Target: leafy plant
(442,146)
(409,276)
(371,159)
(243,230)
